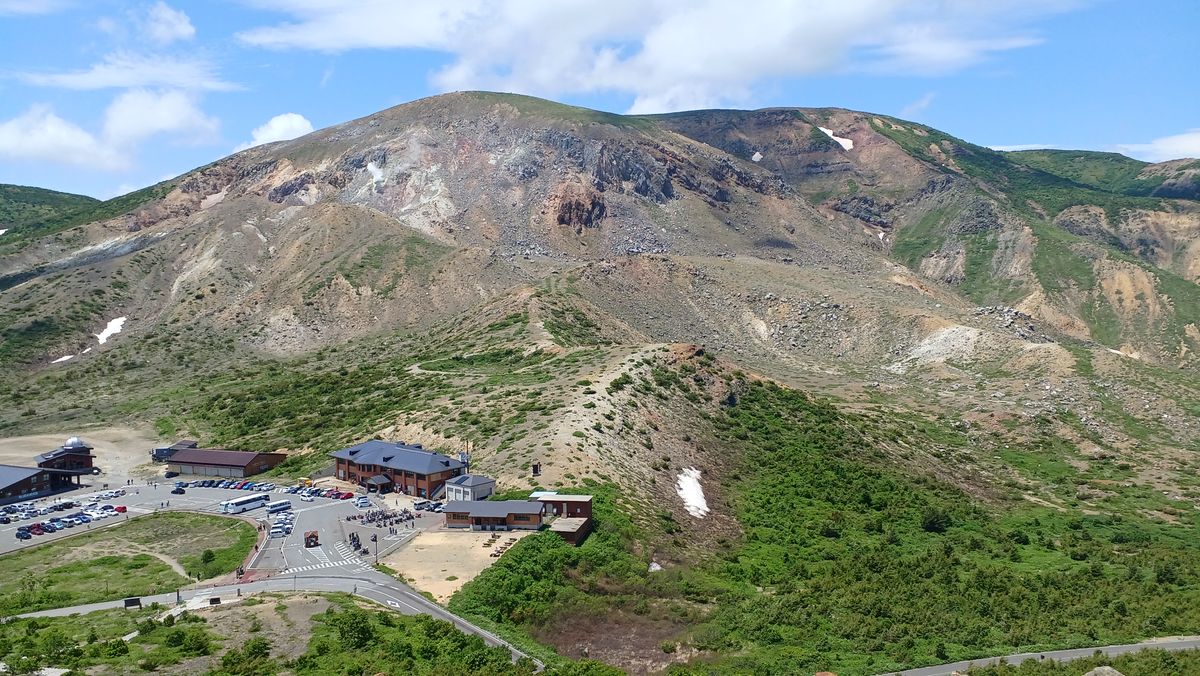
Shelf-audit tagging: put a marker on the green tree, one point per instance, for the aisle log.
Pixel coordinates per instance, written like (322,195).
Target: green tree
(354,628)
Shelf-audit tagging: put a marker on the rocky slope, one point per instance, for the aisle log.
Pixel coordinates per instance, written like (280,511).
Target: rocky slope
(847,252)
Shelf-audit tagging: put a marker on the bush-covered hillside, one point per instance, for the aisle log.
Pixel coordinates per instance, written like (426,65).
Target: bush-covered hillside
(22,205)
(850,564)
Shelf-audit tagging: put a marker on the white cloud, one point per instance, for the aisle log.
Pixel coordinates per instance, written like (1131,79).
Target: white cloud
(1166,148)
(279,128)
(30,7)
(127,70)
(917,107)
(668,55)
(138,114)
(164,24)
(40,134)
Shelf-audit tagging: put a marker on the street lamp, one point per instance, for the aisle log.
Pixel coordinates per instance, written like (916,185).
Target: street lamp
(375,539)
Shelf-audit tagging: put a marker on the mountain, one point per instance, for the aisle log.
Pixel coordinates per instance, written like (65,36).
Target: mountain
(22,205)
(876,342)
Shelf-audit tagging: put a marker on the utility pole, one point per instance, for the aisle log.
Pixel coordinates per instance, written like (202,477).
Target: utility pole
(375,539)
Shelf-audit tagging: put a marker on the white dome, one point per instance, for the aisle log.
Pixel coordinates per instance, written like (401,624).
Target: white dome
(74,442)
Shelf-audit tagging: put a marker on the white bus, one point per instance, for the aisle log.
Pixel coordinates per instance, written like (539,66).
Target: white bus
(278,506)
(243,503)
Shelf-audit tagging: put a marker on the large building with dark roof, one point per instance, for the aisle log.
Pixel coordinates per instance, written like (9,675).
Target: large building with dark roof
(217,462)
(26,483)
(387,466)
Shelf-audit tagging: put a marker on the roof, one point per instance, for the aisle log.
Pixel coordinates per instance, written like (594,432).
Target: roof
(495,508)
(379,480)
(572,524)
(11,474)
(398,456)
(537,494)
(213,456)
(185,443)
(564,498)
(471,480)
(66,449)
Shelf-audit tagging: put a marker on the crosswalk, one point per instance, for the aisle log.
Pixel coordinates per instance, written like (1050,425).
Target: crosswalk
(354,566)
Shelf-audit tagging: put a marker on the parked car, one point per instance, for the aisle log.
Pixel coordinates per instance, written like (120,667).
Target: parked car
(5,519)
(109,508)
(170,475)
(120,509)
(178,490)
(36,529)
(422,504)
(24,535)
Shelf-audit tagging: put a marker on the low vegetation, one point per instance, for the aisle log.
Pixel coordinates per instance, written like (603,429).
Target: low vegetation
(850,564)
(122,560)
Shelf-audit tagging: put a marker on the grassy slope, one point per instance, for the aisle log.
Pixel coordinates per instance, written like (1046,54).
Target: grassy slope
(78,570)
(850,564)
(21,205)
(86,212)
(1111,172)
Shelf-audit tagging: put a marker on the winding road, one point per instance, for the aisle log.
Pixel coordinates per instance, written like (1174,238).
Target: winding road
(372,585)
(1172,644)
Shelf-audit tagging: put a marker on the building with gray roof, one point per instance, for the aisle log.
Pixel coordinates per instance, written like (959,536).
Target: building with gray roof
(407,468)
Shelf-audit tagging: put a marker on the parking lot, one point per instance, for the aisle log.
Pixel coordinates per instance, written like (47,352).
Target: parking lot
(287,553)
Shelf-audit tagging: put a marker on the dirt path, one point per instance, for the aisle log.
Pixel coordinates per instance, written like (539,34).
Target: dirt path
(120,451)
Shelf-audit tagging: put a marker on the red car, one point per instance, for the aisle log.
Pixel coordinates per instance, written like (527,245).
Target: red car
(121,509)
(345,496)
(36,529)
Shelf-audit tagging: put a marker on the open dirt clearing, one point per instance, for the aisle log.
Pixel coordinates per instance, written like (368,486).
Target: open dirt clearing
(436,555)
(119,450)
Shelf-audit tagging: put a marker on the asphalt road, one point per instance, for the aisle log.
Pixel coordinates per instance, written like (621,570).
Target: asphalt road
(370,584)
(279,564)
(1171,644)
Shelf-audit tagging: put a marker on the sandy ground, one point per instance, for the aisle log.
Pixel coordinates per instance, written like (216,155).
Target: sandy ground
(119,450)
(439,554)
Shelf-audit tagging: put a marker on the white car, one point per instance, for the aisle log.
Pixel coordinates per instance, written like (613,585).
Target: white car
(306,498)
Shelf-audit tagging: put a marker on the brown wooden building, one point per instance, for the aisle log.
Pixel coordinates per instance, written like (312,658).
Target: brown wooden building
(74,456)
(494,515)
(386,467)
(571,506)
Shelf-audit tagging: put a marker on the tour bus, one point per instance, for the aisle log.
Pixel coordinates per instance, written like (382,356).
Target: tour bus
(241,504)
(278,506)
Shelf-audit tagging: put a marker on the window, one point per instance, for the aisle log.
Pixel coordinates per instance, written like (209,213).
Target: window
(520,517)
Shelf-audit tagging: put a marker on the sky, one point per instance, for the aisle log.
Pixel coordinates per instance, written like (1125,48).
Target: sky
(101,97)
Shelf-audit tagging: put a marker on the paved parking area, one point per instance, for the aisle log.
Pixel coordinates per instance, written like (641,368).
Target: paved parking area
(274,555)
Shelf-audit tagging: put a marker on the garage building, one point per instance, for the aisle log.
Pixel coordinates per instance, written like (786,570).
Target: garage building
(218,462)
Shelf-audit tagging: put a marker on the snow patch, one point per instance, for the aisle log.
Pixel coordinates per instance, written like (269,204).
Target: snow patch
(62,359)
(757,156)
(846,143)
(3,230)
(114,327)
(688,487)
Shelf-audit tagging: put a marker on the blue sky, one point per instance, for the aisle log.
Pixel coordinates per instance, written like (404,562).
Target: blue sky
(104,96)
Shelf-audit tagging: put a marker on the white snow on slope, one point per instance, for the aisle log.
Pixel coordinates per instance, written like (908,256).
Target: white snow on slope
(3,230)
(688,487)
(113,328)
(846,143)
(62,359)
(757,156)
